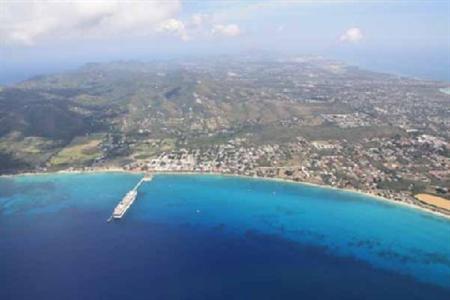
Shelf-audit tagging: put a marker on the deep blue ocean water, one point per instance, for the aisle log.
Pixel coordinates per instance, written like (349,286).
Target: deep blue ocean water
(213,237)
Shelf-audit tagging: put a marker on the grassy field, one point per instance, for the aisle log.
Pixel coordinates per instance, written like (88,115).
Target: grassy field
(28,150)
(27,146)
(80,151)
(152,148)
(350,134)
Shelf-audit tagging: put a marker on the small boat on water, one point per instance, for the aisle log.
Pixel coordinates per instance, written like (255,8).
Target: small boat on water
(148,177)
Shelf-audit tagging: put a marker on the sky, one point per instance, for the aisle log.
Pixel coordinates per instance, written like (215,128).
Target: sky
(410,37)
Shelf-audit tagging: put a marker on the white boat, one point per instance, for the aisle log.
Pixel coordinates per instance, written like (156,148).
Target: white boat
(129,198)
(147,178)
(123,206)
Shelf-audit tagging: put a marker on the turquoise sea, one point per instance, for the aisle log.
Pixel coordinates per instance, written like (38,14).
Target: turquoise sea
(213,237)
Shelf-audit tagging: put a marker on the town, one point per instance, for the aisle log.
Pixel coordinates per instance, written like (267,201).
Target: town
(302,119)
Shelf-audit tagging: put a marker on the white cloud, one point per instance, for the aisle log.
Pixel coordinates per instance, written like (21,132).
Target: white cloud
(352,35)
(27,23)
(175,27)
(198,19)
(230,30)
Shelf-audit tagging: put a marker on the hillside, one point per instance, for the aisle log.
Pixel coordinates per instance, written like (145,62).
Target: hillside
(119,110)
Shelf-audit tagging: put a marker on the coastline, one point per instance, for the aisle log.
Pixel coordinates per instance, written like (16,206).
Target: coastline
(423,209)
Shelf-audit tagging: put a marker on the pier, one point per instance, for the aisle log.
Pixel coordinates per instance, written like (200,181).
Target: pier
(127,201)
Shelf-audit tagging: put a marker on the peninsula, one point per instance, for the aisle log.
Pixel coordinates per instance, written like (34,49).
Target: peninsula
(307,120)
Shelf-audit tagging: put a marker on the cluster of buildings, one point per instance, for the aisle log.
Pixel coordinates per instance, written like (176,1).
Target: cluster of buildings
(351,120)
(308,120)
(395,168)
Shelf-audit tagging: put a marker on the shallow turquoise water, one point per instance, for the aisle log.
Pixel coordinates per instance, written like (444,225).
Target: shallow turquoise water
(381,238)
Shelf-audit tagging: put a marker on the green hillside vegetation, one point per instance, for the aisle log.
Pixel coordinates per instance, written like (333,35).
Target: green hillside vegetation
(61,120)
(81,151)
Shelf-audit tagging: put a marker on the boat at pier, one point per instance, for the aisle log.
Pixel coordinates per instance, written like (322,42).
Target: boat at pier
(127,201)
(123,205)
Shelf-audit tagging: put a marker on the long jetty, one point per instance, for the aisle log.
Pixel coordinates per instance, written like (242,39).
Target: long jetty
(127,201)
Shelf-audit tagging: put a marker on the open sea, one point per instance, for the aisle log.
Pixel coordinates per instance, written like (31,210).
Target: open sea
(213,237)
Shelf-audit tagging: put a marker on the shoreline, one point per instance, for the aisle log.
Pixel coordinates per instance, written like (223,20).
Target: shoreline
(276,179)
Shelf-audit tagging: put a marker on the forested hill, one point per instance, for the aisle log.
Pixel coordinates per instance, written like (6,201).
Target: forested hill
(104,112)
